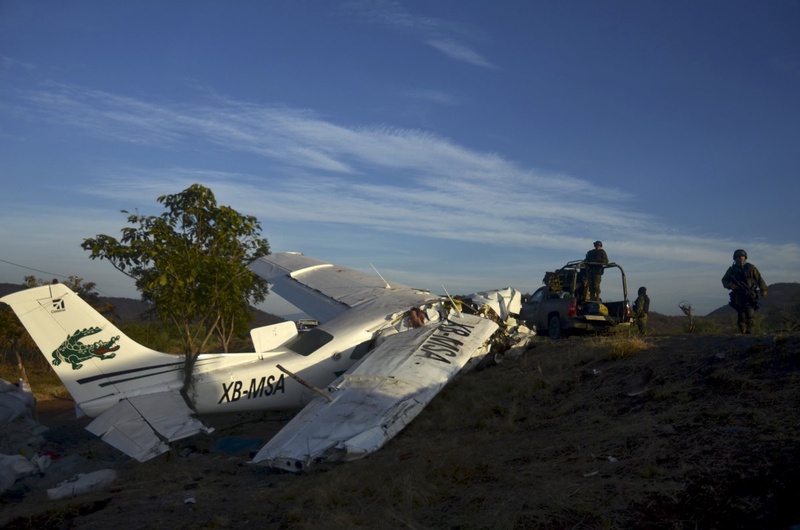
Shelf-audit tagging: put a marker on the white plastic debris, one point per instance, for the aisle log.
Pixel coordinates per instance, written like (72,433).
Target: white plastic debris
(12,468)
(82,483)
(15,400)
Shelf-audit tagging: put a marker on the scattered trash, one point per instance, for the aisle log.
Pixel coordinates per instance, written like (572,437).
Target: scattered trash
(12,468)
(82,483)
(642,384)
(20,434)
(15,400)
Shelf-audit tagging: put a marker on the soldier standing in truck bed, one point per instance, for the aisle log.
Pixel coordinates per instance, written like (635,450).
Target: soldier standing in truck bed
(595,259)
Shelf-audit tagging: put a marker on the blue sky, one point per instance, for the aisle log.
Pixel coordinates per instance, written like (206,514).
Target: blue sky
(465,144)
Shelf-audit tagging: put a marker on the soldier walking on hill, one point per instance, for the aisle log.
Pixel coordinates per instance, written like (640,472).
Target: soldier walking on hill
(743,279)
(595,259)
(640,309)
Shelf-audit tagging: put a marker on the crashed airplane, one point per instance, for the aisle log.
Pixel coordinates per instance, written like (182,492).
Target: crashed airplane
(380,353)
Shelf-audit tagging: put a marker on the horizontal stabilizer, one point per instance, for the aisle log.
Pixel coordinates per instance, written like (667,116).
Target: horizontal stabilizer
(380,396)
(266,338)
(142,426)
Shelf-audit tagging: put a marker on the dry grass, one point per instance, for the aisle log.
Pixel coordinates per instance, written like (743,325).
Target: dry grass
(620,432)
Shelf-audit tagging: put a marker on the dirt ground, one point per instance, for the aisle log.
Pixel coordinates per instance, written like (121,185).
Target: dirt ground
(693,431)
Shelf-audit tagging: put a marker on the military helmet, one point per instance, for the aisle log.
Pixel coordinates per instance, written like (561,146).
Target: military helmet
(598,243)
(739,252)
(642,290)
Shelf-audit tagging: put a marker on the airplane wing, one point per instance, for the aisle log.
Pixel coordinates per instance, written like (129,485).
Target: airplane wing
(323,290)
(374,401)
(142,426)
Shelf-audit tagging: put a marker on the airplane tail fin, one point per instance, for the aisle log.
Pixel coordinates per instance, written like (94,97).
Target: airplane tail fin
(96,361)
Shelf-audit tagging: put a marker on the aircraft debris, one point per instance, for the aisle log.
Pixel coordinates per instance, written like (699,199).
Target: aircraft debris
(378,352)
(82,483)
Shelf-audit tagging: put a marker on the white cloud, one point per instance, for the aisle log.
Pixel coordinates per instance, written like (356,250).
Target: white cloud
(375,175)
(333,187)
(459,52)
(8,63)
(437,33)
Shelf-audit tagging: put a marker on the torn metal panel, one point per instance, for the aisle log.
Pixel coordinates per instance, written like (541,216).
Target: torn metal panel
(142,426)
(325,291)
(380,396)
(505,302)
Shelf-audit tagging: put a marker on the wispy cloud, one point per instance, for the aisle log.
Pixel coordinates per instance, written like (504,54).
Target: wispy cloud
(404,183)
(9,63)
(385,178)
(445,36)
(435,96)
(460,52)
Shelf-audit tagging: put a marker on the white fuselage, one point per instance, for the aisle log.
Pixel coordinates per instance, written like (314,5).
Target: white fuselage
(252,381)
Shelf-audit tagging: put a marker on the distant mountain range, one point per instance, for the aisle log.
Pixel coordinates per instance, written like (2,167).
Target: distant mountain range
(780,296)
(133,310)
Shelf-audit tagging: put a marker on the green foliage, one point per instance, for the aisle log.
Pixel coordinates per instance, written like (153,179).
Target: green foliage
(708,326)
(157,335)
(191,263)
(84,290)
(75,283)
(11,331)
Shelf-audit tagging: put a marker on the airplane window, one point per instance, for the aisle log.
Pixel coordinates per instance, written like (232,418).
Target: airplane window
(310,341)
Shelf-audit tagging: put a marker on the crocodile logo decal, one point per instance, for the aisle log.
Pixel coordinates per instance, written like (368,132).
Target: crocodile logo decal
(75,352)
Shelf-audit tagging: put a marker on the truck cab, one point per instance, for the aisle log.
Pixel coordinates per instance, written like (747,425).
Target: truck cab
(560,306)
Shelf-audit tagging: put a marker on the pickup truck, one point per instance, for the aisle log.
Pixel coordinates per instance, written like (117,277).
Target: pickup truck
(560,307)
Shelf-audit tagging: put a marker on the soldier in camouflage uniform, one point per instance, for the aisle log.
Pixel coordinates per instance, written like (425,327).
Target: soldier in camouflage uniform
(595,259)
(742,279)
(640,309)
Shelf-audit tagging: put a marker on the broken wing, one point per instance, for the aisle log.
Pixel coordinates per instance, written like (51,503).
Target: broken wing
(323,290)
(142,426)
(377,398)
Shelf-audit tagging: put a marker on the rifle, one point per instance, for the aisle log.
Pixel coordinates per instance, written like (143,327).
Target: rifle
(748,291)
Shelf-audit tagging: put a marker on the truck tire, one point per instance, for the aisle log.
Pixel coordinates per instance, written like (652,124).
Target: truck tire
(554,330)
